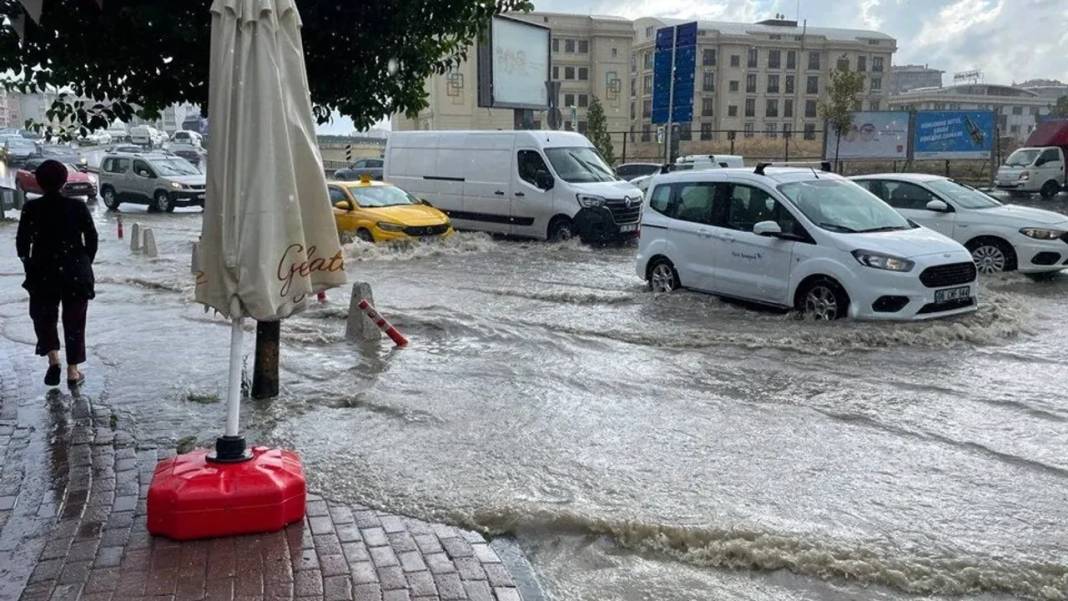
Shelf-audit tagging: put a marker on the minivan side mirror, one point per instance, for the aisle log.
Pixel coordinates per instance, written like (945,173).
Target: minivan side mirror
(544,179)
(767,228)
(939,206)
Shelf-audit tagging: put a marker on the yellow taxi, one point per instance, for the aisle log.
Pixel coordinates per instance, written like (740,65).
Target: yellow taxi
(379,212)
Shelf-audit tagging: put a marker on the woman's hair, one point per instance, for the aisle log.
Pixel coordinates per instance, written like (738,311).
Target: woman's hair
(51,175)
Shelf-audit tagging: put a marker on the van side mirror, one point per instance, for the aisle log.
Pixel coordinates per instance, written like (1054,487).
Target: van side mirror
(767,228)
(939,206)
(544,179)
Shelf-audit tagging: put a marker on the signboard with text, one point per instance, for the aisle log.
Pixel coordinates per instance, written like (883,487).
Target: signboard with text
(874,135)
(953,135)
(674,64)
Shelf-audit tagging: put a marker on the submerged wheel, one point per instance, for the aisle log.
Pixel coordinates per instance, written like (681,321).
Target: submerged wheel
(365,235)
(663,277)
(560,230)
(1050,189)
(823,299)
(992,255)
(111,200)
(163,202)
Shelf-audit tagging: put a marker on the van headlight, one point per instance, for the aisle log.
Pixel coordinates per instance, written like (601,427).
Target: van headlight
(1025,175)
(1040,233)
(590,201)
(177,186)
(386,226)
(880,261)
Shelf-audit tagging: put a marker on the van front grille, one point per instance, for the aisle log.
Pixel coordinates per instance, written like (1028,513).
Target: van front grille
(625,210)
(950,274)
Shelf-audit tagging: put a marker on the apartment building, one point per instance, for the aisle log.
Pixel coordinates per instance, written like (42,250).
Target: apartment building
(909,77)
(762,78)
(590,57)
(1018,110)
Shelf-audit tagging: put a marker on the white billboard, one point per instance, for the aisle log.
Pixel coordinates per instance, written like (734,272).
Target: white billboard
(874,135)
(516,63)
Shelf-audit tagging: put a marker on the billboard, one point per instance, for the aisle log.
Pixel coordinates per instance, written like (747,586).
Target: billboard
(953,135)
(874,135)
(513,65)
(676,50)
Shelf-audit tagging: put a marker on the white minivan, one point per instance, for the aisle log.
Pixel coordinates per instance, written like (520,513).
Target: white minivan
(799,238)
(537,184)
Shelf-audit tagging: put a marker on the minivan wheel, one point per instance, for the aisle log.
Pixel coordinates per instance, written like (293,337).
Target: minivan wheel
(560,230)
(823,299)
(163,202)
(111,200)
(1050,189)
(663,277)
(992,255)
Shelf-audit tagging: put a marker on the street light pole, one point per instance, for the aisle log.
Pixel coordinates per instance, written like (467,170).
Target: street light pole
(671,98)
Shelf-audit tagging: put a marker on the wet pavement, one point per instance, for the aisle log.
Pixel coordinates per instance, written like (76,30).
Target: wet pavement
(638,446)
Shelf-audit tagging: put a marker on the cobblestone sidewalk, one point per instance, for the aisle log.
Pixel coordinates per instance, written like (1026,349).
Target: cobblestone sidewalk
(72,526)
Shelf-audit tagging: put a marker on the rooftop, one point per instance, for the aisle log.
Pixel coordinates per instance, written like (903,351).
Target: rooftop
(971,89)
(779,27)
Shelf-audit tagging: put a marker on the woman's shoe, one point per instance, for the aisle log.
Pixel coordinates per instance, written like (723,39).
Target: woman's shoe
(76,382)
(52,375)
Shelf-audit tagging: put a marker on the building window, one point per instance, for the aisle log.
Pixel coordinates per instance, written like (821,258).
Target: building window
(649,31)
(581,127)
(736,61)
(858,106)
(786,130)
(771,107)
(810,131)
(569,73)
(633,63)
(843,64)
(647,109)
(753,56)
(791,59)
(788,107)
(773,84)
(1014,129)
(569,100)
(813,86)
(813,61)
(647,63)
(877,64)
(750,107)
(569,45)
(556,72)
(810,109)
(583,101)
(750,83)
(733,86)
(583,73)
(749,130)
(774,56)
(1017,110)
(567,126)
(647,84)
(873,42)
(707,105)
(706,131)
(584,46)
(732,110)
(556,44)
(862,63)
(876,84)
(708,82)
(633,113)
(873,105)
(789,84)
(645,132)
(633,87)
(1034,111)
(685,132)
(772,130)
(615,53)
(708,57)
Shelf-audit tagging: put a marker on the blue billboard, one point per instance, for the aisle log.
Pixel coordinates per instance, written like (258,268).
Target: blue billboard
(676,50)
(953,135)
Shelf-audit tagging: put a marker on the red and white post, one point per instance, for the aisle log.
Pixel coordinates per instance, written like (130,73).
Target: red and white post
(382,324)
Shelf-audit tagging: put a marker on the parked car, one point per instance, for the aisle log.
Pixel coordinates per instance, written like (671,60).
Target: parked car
(537,184)
(632,171)
(159,180)
(698,162)
(379,212)
(1041,165)
(145,135)
(191,138)
(802,239)
(128,148)
(78,181)
(118,132)
(189,152)
(18,150)
(1000,237)
(362,167)
(96,138)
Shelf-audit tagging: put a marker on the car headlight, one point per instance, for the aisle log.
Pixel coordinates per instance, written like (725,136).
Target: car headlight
(176,185)
(1024,176)
(386,226)
(1040,233)
(590,201)
(880,261)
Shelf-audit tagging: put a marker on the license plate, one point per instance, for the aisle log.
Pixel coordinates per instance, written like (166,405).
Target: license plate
(630,227)
(952,294)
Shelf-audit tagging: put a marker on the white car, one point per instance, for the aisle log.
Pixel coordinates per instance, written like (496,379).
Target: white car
(1000,237)
(799,238)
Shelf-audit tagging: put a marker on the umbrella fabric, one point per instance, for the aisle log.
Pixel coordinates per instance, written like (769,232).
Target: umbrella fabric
(268,241)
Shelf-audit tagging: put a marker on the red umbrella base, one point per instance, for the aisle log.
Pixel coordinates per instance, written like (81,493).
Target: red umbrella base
(191,497)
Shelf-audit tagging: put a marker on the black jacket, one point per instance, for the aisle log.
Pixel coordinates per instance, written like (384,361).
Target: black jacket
(57,244)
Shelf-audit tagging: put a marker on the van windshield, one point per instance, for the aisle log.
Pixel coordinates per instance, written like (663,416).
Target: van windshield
(172,167)
(842,206)
(1022,157)
(580,164)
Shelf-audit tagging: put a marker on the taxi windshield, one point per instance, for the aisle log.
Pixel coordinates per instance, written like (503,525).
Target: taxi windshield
(382,196)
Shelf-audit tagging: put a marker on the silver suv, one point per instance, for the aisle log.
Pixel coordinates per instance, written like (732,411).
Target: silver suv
(160,180)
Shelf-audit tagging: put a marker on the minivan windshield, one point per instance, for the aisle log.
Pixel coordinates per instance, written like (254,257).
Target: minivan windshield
(382,196)
(965,196)
(173,167)
(1022,157)
(580,164)
(842,206)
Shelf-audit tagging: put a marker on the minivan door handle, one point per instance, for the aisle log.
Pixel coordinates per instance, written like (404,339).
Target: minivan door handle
(520,194)
(499,193)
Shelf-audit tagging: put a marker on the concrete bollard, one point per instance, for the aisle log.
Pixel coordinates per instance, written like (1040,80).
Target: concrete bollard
(135,237)
(360,327)
(150,243)
(194,264)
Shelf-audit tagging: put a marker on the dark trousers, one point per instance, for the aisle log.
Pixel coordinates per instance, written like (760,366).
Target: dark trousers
(44,311)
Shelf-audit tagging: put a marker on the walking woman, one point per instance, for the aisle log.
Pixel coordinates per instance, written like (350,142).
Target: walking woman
(57,244)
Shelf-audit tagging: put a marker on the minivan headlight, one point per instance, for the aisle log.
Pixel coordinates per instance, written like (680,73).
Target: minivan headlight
(1040,233)
(590,200)
(177,186)
(386,226)
(880,261)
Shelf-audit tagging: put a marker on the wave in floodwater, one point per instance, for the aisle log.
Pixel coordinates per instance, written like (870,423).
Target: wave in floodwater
(461,243)
(746,549)
(568,297)
(180,286)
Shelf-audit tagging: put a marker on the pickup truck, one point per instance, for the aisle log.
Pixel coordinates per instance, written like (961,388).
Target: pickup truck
(1040,165)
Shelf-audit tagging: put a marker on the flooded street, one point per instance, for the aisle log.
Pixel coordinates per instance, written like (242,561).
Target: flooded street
(639,446)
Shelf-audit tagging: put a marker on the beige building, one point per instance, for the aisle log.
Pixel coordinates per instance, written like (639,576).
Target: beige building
(590,57)
(760,79)
(1018,109)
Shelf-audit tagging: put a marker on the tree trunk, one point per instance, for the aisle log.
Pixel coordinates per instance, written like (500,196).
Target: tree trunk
(265,369)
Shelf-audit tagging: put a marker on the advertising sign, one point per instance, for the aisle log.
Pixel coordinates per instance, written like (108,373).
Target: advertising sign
(676,50)
(874,135)
(953,135)
(513,65)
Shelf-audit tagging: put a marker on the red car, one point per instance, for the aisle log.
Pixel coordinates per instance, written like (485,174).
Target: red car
(78,182)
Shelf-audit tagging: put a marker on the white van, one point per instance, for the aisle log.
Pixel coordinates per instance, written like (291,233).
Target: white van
(538,184)
(146,135)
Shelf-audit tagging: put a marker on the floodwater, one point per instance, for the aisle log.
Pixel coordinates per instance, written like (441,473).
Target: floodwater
(640,446)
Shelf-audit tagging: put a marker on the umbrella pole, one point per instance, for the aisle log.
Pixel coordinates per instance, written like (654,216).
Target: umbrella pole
(230,447)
